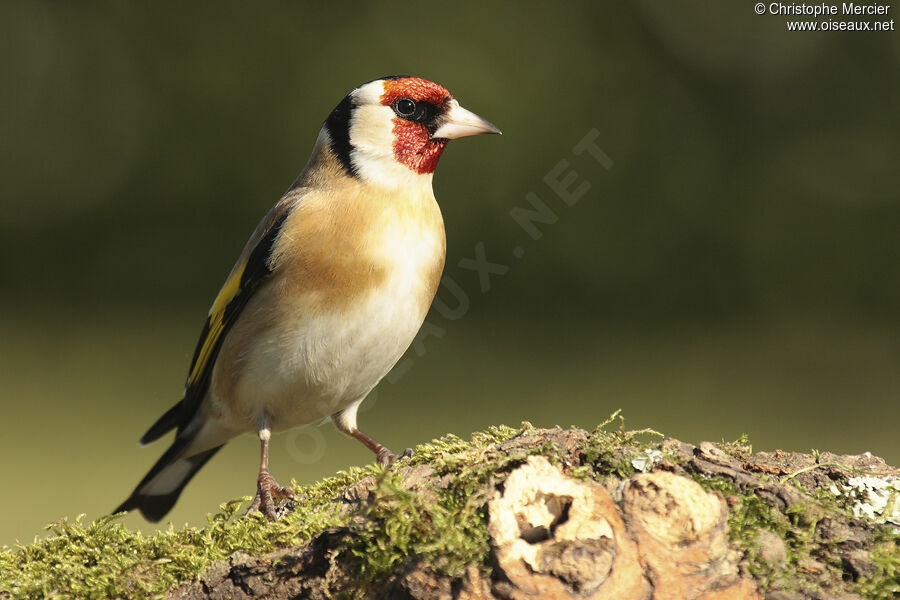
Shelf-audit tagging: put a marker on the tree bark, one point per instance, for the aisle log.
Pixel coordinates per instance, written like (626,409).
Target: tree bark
(578,515)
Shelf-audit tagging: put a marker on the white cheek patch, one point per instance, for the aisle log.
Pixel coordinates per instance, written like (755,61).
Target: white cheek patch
(372,127)
(372,130)
(369,93)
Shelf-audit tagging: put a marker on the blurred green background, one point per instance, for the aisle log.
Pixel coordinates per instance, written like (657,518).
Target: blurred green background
(736,270)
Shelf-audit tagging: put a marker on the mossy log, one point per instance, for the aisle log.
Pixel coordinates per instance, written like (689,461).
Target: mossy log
(520,514)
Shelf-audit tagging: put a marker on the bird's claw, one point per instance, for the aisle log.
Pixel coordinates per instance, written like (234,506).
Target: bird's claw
(386,457)
(267,491)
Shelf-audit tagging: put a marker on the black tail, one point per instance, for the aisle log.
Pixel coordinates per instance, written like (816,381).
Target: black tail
(169,421)
(158,491)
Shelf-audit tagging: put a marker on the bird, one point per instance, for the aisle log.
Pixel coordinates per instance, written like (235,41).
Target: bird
(327,294)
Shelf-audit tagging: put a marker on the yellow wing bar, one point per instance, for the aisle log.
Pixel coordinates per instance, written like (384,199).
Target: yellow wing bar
(216,322)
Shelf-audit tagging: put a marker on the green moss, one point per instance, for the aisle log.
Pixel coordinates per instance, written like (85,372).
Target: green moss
(399,525)
(452,450)
(104,559)
(445,527)
(884,584)
(740,448)
(610,453)
(749,514)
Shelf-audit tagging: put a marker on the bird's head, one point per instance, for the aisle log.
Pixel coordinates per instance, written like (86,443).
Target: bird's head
(393,129)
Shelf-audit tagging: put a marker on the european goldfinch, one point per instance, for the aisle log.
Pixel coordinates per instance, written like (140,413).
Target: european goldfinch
(327,294)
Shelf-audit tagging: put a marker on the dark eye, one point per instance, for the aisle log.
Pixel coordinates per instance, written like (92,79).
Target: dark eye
(405,107)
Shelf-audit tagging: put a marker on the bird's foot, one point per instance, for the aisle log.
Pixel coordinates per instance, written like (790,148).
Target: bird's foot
(386,457)
(267,492)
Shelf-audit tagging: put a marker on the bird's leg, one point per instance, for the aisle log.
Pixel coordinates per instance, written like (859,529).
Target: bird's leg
(382,453)
(267,489)
(345,421)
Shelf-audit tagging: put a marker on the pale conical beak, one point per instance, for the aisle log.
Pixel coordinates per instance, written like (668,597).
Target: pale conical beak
(458,122)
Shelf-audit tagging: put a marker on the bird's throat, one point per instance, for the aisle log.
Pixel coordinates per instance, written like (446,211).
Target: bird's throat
(414,148)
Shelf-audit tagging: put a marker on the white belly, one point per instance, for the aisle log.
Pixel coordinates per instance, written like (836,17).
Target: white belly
(325,363)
